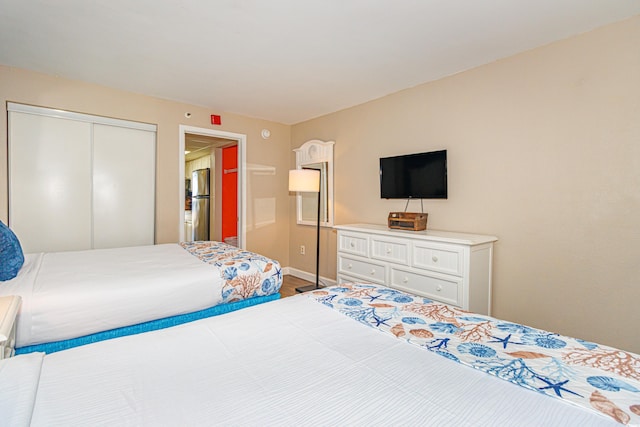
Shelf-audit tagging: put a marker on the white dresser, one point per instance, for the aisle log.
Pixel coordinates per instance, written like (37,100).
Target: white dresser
(454,268)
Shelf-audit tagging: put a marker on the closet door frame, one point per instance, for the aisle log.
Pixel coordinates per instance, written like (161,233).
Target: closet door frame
(77,117)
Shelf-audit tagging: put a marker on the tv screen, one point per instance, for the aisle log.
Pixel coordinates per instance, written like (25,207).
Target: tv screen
(414,176)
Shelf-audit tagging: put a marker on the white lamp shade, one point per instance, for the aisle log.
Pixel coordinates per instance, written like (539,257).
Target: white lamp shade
(304,180)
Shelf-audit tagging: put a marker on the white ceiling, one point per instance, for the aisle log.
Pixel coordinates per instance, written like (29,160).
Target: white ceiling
(282,60)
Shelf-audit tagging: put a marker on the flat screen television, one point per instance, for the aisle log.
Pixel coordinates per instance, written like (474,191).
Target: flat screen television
(414,176)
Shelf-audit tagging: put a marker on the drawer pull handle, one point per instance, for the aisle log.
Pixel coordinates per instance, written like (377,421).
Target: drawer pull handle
(353,245)
(434,258)
(388,250)
(349,266)
(373,272)
(405,280)
(439,288)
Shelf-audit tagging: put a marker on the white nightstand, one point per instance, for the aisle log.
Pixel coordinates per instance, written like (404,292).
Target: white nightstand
(8,311)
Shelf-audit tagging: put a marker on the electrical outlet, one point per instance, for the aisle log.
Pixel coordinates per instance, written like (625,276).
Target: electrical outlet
(302,250)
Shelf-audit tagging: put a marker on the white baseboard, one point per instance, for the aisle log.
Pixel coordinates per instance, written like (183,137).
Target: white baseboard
(311,277)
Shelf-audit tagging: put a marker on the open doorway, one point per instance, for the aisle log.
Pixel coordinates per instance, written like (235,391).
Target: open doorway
(210,150)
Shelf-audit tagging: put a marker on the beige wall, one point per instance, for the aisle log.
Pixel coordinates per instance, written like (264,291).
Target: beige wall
(543,152)
(264,236)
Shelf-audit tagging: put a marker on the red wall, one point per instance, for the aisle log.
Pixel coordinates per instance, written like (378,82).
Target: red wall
(229,192)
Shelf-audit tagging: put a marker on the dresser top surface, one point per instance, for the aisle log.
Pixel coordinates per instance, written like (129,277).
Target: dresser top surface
(433,235)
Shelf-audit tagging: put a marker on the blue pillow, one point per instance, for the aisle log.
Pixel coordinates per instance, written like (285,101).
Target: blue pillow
(11,256)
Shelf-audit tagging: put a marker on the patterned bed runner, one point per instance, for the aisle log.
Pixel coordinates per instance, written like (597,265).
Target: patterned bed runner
(596,377)
(245,274)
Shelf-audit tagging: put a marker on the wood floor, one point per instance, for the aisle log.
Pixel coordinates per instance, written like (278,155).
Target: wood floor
(289,285)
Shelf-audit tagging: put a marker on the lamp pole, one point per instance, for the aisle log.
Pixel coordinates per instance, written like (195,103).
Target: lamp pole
(308,180)
(318,243)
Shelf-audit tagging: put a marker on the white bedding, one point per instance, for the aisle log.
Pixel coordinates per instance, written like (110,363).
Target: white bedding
(71,294)
(287,362)
(19,378)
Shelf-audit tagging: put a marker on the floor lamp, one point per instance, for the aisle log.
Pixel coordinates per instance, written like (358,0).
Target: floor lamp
(308,181)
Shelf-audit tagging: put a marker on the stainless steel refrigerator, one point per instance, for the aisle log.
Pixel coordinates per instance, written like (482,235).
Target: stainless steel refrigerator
(200,204)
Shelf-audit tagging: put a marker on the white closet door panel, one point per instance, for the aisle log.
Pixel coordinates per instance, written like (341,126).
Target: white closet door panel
(123,187)
(49,182)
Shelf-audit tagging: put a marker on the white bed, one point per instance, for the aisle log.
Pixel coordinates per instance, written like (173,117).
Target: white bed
(289,362)
(73,294)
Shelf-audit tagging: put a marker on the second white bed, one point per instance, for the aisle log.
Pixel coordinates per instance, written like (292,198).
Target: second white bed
(288,362)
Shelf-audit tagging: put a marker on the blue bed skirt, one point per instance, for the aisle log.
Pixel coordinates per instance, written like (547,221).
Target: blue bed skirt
(151,325)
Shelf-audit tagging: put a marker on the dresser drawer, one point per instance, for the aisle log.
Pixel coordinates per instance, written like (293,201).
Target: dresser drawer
(446,259)
(353,243)
(366,270)
(391,250)
(343,278)
(444,289)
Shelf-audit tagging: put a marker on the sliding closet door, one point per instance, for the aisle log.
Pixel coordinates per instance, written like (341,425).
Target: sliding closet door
(49,182)
(123,187)
(78,181)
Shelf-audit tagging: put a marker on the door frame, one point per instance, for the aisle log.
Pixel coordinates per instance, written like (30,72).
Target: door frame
(241,140)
